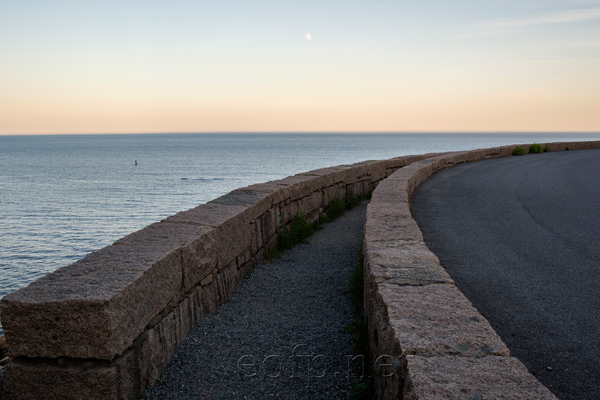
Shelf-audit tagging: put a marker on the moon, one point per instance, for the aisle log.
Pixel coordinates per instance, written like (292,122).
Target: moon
(308,36)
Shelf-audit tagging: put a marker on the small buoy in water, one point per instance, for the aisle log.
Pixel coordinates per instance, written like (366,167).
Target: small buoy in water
(135,162)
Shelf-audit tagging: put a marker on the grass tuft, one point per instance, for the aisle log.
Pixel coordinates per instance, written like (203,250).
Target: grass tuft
(535,148)
(300,229)
(519,151)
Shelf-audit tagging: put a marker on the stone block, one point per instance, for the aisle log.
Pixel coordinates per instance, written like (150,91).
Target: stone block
(380,210)
(197,243)
(376,169)
(358,189)
(298,186)
(94,308)
(395,163)
(402,173)
(232,227)
(158,344)
(256,202)
(403,262)
(464,378)
(330,193)
(276,192)
(289,210)
(27,381)
(326,176)
(391,227)
(438,320)
(390,198)
(212,214)
(268,223)
(457,158)
(219,290)
(310,203)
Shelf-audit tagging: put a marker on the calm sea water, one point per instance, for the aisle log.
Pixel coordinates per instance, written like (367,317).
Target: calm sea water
(62,197)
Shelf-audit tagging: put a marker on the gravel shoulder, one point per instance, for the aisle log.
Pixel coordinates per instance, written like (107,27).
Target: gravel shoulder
(520,236)
(283,333)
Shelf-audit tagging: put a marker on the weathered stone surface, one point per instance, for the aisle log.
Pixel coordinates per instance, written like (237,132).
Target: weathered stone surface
(276,193)
(159,343)
(241,197)
(25,381)
(390,191)
(312,202)
(474,155)
(255,202)
(298,186)
(197,244)
(471,378)
(422,172)
(404,262)
(402,173)
(232,223)
(438,320)
(209,214)
(358,189)
(380,210)
(425,274)
(325,177)
(95,307)
(330,193)
(376,169)
(219,290)
(392,227)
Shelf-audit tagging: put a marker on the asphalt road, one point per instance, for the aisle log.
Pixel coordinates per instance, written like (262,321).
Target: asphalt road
(521,238)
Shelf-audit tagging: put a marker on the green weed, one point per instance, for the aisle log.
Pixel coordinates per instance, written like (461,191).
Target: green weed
(519,151)
(162,380)
(336,208)
(535,148)
(289,236)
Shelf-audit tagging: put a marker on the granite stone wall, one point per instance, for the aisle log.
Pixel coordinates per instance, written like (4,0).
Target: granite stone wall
(105,326)
(427,340)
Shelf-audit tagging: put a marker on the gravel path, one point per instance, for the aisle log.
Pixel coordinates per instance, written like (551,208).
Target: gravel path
(520,236)
(283,333)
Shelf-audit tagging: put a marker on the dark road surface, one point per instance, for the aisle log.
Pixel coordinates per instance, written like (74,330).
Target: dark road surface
(521,238)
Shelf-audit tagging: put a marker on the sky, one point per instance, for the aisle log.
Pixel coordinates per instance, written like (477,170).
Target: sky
(128,66)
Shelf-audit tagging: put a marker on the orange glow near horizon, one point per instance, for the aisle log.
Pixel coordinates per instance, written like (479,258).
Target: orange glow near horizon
(76,69)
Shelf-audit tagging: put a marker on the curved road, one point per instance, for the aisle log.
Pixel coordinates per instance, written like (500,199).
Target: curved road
(521,238)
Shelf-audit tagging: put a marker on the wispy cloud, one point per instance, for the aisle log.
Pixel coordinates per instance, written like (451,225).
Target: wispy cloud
(587,14)
(557,61)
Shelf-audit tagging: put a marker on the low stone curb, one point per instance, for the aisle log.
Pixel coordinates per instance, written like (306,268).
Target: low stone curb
(427,340)
(106,326)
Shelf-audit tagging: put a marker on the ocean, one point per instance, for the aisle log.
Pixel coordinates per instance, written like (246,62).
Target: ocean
(64,196)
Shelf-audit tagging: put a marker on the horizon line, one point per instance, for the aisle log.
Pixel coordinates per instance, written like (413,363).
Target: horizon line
(306,132)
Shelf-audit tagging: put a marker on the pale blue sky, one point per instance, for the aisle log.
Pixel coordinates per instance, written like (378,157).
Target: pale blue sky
(156,66)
